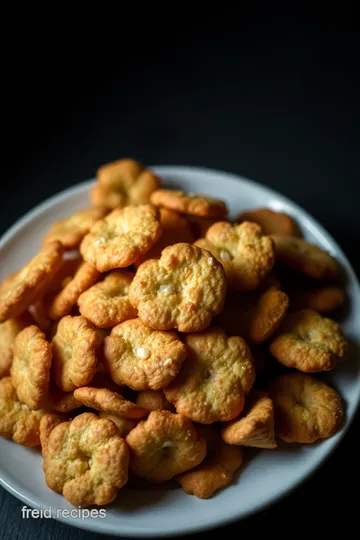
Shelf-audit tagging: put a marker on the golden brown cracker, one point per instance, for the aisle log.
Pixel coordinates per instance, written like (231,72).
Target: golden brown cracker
(75,348)
(123,182)
(256,425)
(107,303)
(215,377)
(119,239)
(105,400)
(189,203)
(164,445)
(31,365)
(306,408)
(182,290)
(19,290)
(309,342)
(245,253)
(142,358)
(17,421)
(86,460)
(72,229)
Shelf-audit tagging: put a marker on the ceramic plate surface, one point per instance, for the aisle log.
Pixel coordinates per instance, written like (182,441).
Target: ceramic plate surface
(271,473)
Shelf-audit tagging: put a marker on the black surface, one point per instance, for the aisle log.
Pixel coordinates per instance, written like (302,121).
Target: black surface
(280,107)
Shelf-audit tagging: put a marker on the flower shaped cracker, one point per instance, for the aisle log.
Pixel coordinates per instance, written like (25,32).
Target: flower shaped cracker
(121,237)
(107,303)
(31,365)
(215,377)
(19,290)
(189,203)
(255,427)
(306,409)
(123,182)
(143,358)
(184,289)
(309,342)
(86,460)
(71,230)
(245,253)
(17,421)
(75,349)
(164,445)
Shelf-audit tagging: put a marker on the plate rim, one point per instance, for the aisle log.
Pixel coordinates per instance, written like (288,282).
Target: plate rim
(26,496)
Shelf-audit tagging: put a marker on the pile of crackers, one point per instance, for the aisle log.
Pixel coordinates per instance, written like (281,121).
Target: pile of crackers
(152,337)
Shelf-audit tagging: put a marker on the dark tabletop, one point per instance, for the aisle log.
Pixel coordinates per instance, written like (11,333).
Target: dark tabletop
(278,106)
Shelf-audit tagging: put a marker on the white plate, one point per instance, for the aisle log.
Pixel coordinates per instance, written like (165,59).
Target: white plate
(270,474)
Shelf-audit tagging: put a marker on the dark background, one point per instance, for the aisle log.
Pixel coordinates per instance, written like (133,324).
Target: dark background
(278,104)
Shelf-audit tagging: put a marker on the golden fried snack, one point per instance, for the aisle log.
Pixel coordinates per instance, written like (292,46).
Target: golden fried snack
(86,460)
(306,408)
(123,182)
(75,349)
(217,469)
(19,290)
(47,423)
(189,203)
(256,425)
(184,289)
(123,425)
(215,378)
(153,400)
(121,237)
(304,257)
(107,303)
(267,315)
(60,401)
(8,332)
(245,253)
(106,400)
(30,370)
(17,422)
(72,229)
(321,299)
(309,342)
(142,358)
(164,445)
(271,222)
(64,302)
(175,229)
